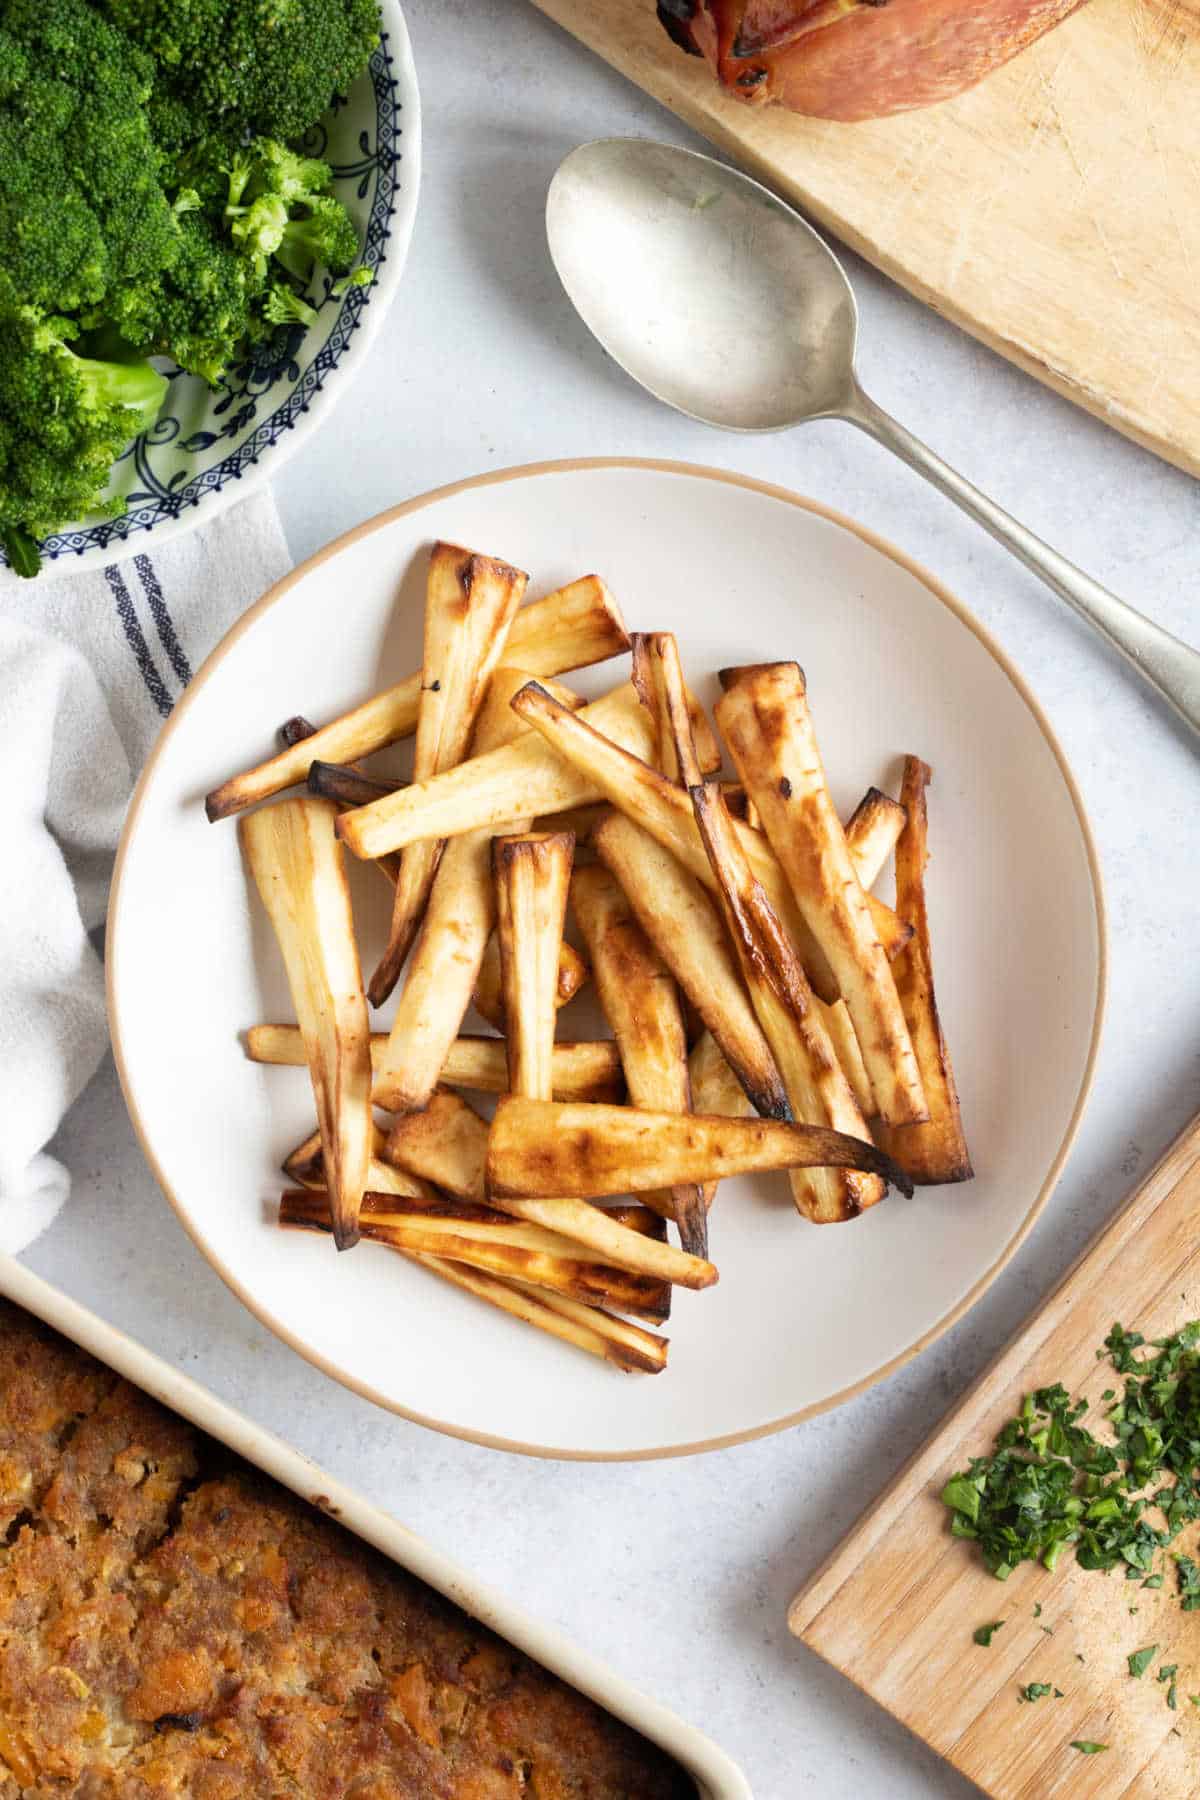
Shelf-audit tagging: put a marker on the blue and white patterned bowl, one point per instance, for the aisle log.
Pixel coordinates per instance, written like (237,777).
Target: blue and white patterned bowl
(210,446)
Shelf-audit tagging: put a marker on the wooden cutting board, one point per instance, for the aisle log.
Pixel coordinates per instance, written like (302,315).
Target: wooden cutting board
(896,1604)
(1053,211)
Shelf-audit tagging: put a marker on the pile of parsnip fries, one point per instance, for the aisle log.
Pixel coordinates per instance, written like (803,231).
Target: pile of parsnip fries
(764,1004)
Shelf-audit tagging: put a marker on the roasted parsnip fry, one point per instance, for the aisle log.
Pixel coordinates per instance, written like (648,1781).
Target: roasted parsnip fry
(664,810)
(456,933)
(715,1089)
(871,833)
(815,1083)
(641,1004)
(578,819)
(337,781)
(573,973)
(627,1347)
(447,1145)
(682,922)
(533,875)
(575,626)
(840,1027)
(525,778)
(790,1016)
(306,1165)
(297,865)
(295,730)
(647,679)
(541,1147)
(935,1151)
(484,1239)
(586,1069)
(469,607)
(766,723)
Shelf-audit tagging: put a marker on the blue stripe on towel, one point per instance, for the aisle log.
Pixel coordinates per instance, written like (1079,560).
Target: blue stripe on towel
(136,640)
(162,619)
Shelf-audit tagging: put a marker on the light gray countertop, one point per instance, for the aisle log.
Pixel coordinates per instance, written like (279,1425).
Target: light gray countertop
(679,1573)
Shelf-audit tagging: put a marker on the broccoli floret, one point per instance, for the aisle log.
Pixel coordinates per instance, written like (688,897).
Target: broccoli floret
(82,206)
(237,67)
(200,312)
(284,306)
(64,419)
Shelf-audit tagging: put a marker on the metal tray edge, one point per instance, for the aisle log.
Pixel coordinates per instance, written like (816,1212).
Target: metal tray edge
(716,1776)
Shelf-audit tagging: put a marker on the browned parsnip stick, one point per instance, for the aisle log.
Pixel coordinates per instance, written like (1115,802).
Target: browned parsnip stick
(682,922)
(766,722)
(665,811)
(641,1004)
(871,833)
(488,1240)
(586,1069)
(575,626)
(488,998)
(470,603)
(816,1084)
(935,1151)
(447,1144)
(543,1147)
(295,730)
(628,1347)
(531,874)
(306,1165)
(646,679)
(457,928)
(337,781)
(297,866)
(483,792)
(715,1089)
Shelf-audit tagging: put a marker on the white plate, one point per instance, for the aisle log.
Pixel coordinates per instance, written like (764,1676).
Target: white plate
(803,1316)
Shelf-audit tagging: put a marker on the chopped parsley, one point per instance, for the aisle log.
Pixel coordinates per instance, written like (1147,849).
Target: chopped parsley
(1086,1747)
(1140,1660)
(1189,1583)
(1050,1484)
(1167,1670)
(1037,1690)
(983,1634)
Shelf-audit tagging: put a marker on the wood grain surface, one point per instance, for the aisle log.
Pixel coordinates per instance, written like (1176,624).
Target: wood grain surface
(894,1607)
(1053,211)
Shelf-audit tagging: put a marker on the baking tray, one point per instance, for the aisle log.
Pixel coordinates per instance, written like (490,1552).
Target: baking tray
(716,1777)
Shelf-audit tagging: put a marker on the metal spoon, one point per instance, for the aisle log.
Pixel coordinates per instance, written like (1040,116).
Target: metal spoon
(723,302)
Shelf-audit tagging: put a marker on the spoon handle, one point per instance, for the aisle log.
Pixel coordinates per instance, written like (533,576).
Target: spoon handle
(1170,666)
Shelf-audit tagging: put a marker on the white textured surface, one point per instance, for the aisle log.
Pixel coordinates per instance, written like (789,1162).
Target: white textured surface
(679,1573)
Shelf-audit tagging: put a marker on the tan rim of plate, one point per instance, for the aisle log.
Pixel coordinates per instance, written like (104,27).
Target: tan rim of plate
(278,593)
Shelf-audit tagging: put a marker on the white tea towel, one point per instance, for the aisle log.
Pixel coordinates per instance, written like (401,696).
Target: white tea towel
(90,667)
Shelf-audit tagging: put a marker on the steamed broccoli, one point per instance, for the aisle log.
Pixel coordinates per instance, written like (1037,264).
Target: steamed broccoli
(149,204)
(229,68)
(201,311)
(265,183)
(81,204)
(64,418)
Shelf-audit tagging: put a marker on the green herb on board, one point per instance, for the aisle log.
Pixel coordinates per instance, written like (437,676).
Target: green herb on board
(983,1634)
(1086,1747)
(1140,1660)
(1036,1690)
(1050,1484)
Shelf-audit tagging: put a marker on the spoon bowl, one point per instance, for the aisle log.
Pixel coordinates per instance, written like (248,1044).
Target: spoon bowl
(727,305)
(703,285)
